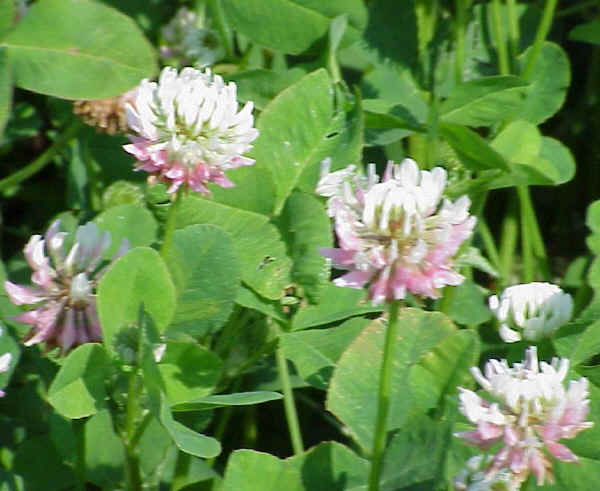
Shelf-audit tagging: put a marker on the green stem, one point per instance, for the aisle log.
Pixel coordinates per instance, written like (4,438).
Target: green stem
(216,9)
(44,159)
(132,410)
(513,31)
(489,244)
(526,242)
(170,226)
(288,401)
(508,241)
(460,26)
(539,248)
(503,65)
(383,406)
(540,37)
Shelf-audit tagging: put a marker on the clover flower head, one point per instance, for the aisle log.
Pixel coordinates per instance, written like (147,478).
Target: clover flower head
(64,293)
(532,411)
(537,309)
(397,235)
(473,478)
(187,41)
(106,115)
(188,130)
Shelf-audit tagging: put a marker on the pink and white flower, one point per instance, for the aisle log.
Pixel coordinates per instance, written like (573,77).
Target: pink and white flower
(536,309)
(188,130)
(474,478)
(63,295)
(532,412)
(396,235)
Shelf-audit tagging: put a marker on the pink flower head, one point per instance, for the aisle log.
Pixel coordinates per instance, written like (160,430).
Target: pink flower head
(532,412)
(188,130)
(394,235)
(65,313)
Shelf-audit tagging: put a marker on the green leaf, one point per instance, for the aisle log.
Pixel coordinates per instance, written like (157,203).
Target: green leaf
(352,395)
(122,193)
(300,128)
(548,84)
(338,304)
(7,16)
(467,305)
(54,475)
(343,145)
(415,455)
(292,128)
(329,466)
(306,228)
(188,440)
(185,438)
(264,263)
(535,159)
(206,274)
(104,451)
(588,32)
(139,277)
(252,300)
(225,400)
(131,222)
(189,371)
(6,89)
(248,470)
(261,86)
(315,352)
(77,390)
(82,56)
(471,148)
(254,190)
(391,35)
(293,26)
(577,342)
(484,101)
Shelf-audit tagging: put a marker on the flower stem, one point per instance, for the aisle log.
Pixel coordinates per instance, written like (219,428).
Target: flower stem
(503,65)
(460,27)
(170,226)
(288,401)
(540,37)
(526,245)
(44,159)
(132,409)
(383,406)
(513,32)
(508,240)
(216,9)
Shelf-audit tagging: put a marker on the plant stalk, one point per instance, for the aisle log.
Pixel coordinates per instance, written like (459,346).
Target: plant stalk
(513,32)
(460,27)
(218,16)
(503,65)
(132,468)
(44,159)
(288,402)
(383,405)
(170,226)
(540,37)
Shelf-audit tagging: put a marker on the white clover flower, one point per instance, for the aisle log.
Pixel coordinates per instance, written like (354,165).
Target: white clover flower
(531,413)
(397,235)
(188,130)
(64,292)
(537,309)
